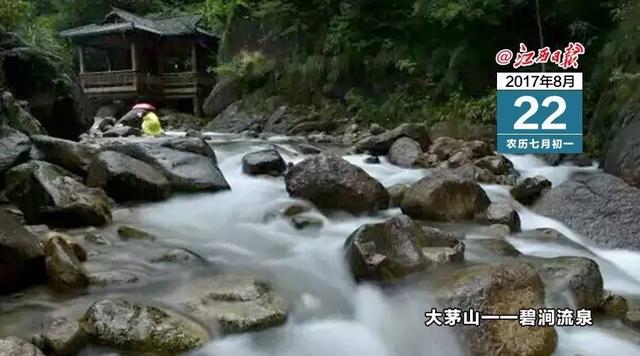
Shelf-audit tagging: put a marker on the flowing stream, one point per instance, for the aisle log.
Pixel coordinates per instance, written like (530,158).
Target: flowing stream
(330,314)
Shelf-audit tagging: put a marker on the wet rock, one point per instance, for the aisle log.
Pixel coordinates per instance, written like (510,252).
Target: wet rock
(78,250)
(497,247)
(443,199)
(294,209)
(63,267)
(127,179)
(386,251)
(235,303)
(64,337)
(136,327)
(548,235)
(599,206)
(14,148)
(113,278)
(530,189)
(330,182)
(21,256)
(396,194)
(180,256)
(302,222)
(48,194)
(615,305)
(498,165)
(440,247)
(404,152)
(500,289)
(459,151)
(122,131)
(127,232)
(73,156)
(372,160)
(13,346)
(96,239)
(632,319)
(268,162)
(308,149)
(380,144)
(504,214)
(578,275)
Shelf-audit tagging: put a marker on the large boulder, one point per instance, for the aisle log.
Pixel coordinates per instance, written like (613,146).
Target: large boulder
(125,178)
(63,267)
(72,156)
(235,303)
(445,199)
(140,328)
(13,346)
(268,162)
(623,153)
(380,144)
(578,275)
(404,152)
(21,256)
(385,251)
(14,148)
(599,206)
(330,182)
(500,289)
(226,92)
(48,194)
(14,115)
(189,164)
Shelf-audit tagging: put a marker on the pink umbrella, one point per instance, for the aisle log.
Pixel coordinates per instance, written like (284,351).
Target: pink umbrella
(144,106)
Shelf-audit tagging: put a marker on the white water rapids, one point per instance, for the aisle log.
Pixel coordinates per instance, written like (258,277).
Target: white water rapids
(331,314)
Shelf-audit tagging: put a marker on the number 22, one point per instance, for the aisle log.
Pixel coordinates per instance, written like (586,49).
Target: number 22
(548,124)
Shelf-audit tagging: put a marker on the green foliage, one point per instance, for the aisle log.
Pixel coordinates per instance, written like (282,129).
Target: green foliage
(13,13)
(246,65)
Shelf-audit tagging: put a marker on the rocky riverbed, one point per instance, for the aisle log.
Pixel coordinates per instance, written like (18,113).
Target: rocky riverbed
(230,245)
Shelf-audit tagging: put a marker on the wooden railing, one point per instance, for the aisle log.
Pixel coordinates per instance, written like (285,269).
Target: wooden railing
(128,80)
(123,78)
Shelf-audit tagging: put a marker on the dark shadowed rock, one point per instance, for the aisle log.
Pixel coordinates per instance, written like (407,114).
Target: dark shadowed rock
(64,337)
(73,156)
(578,275)
(330,182)
(13,346)
(21,256)
(443,199)
(396,194)
(235,303)
(614,305)
(226,92)
(381,143)
(623,152)
(14,115)
(136,327)
(404,152)
(500,289)
(498,165)
(386,251)
(48,194)
(14,148)
(127,179)
(372,160)
(63,267)
(122,131)
(78,250)
(268,162)
(601,207)
(530,189)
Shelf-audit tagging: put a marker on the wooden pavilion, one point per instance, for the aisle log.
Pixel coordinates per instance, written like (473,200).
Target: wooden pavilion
(129,57)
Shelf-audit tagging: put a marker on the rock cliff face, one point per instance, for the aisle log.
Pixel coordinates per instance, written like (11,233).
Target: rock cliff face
(49,91)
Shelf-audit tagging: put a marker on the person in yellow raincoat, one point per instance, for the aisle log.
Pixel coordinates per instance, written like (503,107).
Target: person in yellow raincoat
(151,125)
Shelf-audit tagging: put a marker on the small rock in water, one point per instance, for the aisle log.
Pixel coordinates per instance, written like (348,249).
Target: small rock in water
(303,222)
(96,239)
(503,214)
(530,189)
(372,160)
(63,267)
(136,327)
(181,256)
(615,305)
(64,337)
(632,319)
(498,165)
(13,346)
(127,232)
(497,247)
(113,278)
(266,162)
(404,152)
